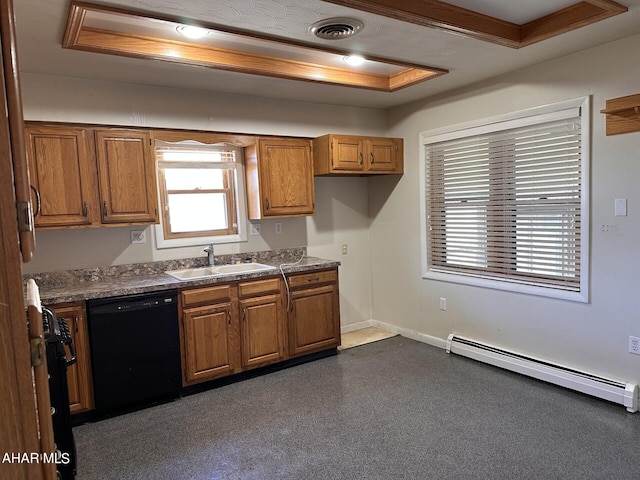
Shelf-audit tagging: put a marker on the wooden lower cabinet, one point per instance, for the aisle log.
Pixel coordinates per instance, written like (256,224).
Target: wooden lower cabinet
(261,323)
(79,381)
(210,342)
(230,328)
(233,327)
(314,314)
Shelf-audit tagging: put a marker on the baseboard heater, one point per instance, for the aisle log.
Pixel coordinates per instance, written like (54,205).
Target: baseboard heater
(612,390)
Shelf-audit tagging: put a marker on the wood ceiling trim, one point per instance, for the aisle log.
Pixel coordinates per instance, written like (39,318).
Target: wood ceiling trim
(451,18)
(79,37)
(442,16)
(568,19)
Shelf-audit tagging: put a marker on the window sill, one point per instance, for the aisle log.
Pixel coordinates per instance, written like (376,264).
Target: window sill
(507,286)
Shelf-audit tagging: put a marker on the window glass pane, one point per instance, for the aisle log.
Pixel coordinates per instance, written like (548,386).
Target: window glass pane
(193,178)
(187,212)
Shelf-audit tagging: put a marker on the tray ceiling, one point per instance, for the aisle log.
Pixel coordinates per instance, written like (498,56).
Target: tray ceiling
(391,35)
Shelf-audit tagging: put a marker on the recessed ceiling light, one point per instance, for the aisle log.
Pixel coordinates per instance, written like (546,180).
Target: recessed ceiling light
(354,60)
(192,32)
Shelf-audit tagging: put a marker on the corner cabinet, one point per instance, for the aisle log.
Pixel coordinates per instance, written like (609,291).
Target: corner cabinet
(79,383)
(314,312)
(279,178)
(356,155)
(88,177)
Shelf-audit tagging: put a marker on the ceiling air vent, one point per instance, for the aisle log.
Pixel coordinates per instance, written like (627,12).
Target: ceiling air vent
(336,28)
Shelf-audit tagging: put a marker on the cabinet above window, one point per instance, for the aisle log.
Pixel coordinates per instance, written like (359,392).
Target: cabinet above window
(355,155)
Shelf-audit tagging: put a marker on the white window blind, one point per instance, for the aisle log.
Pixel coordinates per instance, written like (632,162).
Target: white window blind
(505,204)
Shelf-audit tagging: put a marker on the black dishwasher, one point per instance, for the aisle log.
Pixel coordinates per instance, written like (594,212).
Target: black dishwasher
(135,350)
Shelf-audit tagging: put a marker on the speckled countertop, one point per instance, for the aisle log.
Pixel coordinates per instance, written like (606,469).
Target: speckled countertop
(101,282)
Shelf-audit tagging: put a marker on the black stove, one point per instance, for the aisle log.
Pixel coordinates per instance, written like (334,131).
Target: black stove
(56,335)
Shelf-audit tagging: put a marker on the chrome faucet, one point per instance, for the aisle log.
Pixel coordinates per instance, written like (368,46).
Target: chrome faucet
(210,256)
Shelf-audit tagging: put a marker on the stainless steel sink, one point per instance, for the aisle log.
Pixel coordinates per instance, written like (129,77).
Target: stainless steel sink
(218,270)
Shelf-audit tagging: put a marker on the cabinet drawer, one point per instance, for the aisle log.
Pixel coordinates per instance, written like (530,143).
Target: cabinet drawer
(324,276)
(258,287)
(206,294)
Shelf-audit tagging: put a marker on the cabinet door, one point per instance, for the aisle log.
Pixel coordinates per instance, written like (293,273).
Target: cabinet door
(286,177)
(79,381)
(314,320)
(126,168)
(262,331)
(382,155)
(63,171)
(347,153)
(210,350)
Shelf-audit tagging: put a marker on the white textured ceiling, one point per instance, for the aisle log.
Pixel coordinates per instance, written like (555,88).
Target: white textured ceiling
(41,23)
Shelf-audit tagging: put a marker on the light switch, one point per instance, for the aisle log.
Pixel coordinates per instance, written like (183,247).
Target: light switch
(620,207)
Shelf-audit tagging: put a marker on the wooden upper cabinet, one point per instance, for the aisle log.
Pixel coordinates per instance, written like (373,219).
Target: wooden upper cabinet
(63,173)
(279,178)
(384,155)
(127,176)
(347,153)
(88,177)
(356,155)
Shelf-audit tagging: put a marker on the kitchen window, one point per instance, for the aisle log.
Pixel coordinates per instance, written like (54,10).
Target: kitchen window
(505,202)
(201,194)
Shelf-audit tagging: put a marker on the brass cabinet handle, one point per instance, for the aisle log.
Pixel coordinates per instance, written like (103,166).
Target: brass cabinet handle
(361,158)
(266,201)
(229,317)
(244,314)
(85,209)
(104,208)
(373,159)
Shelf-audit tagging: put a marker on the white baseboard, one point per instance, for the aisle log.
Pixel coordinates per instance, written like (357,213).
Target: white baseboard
(356,326)
(405,332)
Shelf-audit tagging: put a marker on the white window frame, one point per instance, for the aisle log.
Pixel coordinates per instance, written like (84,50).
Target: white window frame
(502,122)
(241,211)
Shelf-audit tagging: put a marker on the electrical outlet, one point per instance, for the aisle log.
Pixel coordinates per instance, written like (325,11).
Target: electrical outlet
(634,345)
(254,229)
(278,228)
(345,249)
(138,236)
(443,303)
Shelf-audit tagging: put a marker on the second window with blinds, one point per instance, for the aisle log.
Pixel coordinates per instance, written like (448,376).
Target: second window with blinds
(505,202)
(201,194)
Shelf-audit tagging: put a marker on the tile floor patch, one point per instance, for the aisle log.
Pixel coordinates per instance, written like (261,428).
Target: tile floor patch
(363,336)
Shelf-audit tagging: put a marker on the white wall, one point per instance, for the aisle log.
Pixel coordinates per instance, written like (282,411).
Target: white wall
(341,203)
(593,336)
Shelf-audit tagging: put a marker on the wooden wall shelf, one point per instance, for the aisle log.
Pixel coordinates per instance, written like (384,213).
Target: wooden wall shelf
(623,114)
